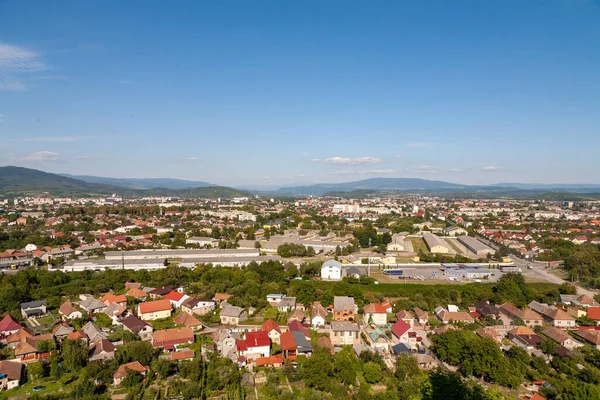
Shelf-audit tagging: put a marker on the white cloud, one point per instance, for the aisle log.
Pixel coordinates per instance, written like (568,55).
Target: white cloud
(43,156)
(457,170)
(18,63)
(349,161)
(83,157)
(192,158)
(366,171)
(490,168)
(421,144)
(421,168)
(52,139)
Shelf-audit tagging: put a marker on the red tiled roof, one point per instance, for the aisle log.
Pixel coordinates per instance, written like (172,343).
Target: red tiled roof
(240,344)
(262,361)
(153,306)
(174,296)
(297,326)
(375,308)
(132,366)
(593,313)
(9,324)
(257,339)
(269,325)
(287,341)
(182,355)
(400,328)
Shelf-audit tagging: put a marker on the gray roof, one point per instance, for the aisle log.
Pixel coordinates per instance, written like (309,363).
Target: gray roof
(341,303)
(232,311)
(93,332)
(344,326)
(91,304)
(33,304)
(332,263)
(473,243)
(302,344)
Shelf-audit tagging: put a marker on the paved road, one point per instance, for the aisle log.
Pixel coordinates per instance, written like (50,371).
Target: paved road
(538,270)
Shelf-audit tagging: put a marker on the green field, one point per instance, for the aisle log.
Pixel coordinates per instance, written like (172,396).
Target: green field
(419,245)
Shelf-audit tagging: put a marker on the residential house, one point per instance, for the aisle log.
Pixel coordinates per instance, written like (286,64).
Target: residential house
(137,293)
(287,304)
(188,320)
(303,346)
(138,326)
(124,370)
(296,326)
(182,355)
(169,338)
(13,339)
(8,326)
(225,343)
(92,305)
(271,361)
(221,298)
(288,345)
(273,330)
(344,333)
(344,308)
(176,298)
(331,270)
(196,306)
(255,344)
(559,318)
(561,337)
(11,373)
(275,298)
(590,336)
(297,315)
(594,314)
(110,298)
(157,309)
(453,316)
(159,292)
(422,317)
(93,332)
(33,309)
(529,317)
(524,337)
(374,313)
(232,315)
(26,351)
(484,308)
(407,317)
(68,311)
(116,312)
(403,333)
(102,350)
(62,330)
(318,315)
(490,333)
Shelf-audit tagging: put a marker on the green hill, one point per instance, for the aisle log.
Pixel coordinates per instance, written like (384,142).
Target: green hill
(18,181)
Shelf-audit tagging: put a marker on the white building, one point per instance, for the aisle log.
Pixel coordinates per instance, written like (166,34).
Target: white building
(331,270)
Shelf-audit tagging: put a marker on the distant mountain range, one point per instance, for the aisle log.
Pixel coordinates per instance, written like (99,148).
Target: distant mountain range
(18,181)
(143,183)
(374,184)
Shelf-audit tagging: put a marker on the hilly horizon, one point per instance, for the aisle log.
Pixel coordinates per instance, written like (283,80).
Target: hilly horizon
(20,181)
(142,183)
(26,181)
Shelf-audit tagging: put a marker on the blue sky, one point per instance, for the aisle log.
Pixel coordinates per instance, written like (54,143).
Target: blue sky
(280,92)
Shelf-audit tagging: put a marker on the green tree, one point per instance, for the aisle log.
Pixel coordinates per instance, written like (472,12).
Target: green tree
(372,372)
(74,354)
